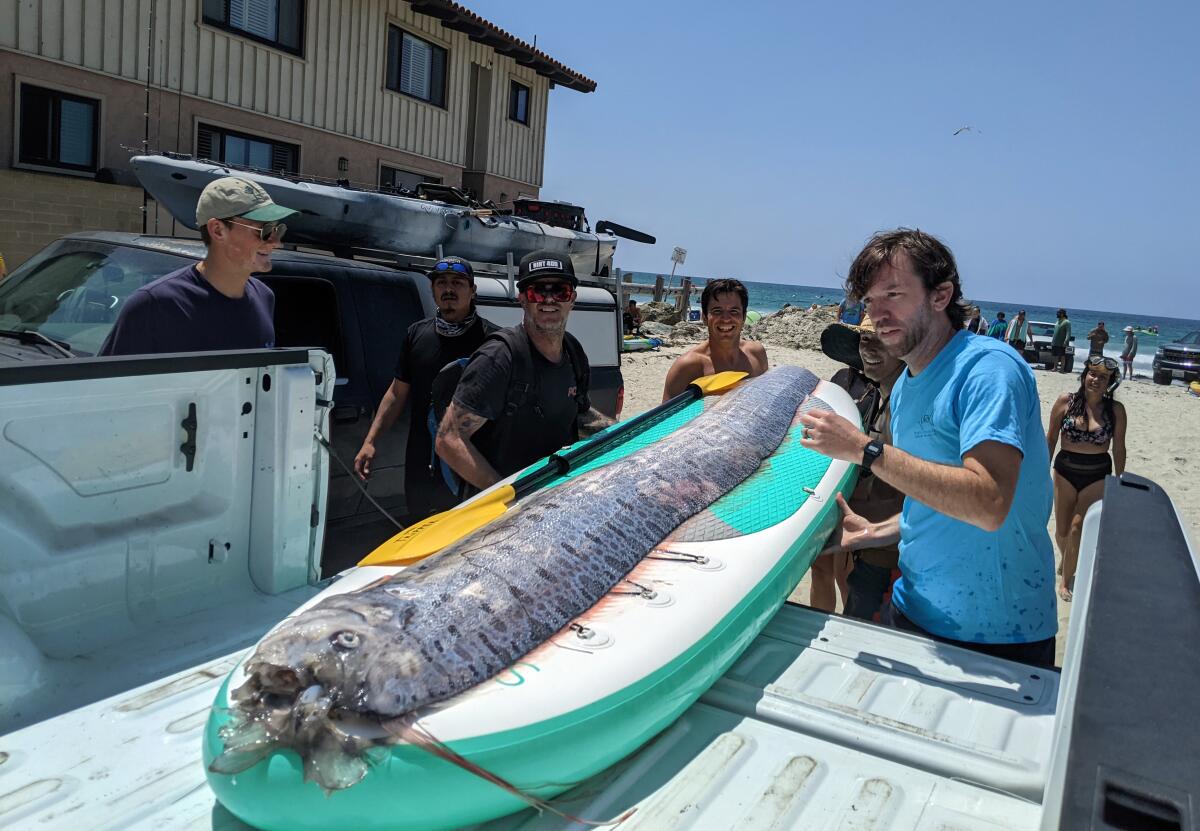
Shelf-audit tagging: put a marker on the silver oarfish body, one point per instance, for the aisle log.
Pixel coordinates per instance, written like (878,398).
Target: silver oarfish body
(475,608)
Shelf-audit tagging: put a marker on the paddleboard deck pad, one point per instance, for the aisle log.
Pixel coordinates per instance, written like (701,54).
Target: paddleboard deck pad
(602,686)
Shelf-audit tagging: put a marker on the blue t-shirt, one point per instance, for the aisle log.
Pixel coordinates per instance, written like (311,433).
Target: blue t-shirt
(182,312)
(959,581)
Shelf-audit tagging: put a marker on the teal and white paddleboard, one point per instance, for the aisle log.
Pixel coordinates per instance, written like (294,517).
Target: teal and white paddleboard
(604,685)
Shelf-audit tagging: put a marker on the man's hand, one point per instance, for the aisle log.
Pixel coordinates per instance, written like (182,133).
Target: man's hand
(362,462)
(857,532)
(832,435)
(593,421)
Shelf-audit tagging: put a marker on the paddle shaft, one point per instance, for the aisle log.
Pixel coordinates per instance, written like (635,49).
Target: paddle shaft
(559,464)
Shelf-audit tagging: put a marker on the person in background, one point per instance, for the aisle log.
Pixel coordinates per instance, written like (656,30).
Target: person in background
(1129,352)
(214,304)
(849,311)
(455,331)
(723,305)
(1097,338)
(998,328)
(1090,423)
(3,269)
(1018,332)
(1060,339)
(632,318)
(863,576)
(974,321)
(524,395)
(968,452)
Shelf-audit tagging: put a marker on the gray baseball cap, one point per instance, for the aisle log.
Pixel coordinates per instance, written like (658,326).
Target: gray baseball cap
(229,197)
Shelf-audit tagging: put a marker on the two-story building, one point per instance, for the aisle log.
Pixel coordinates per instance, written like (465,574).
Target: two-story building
(382,92)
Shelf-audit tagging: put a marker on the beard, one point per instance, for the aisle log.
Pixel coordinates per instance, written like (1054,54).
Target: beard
(914,331)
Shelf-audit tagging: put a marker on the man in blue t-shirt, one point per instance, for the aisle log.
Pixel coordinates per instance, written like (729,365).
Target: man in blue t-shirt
(968,453)
(214,304)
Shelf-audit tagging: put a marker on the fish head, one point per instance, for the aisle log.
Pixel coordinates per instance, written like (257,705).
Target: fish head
(308,689)
(336,645)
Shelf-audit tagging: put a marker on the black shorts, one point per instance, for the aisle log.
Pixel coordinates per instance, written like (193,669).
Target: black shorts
(1018,345)
(1036,653)
(1058,351)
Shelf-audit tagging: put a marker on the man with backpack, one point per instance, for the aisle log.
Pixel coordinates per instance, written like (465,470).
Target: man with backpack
(524,394)
(454,332)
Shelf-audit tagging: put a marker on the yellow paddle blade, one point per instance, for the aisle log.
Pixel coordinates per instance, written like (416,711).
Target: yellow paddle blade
(431,535)
(718,382)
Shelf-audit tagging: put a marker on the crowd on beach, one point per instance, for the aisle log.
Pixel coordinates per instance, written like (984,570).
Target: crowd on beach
(945,533)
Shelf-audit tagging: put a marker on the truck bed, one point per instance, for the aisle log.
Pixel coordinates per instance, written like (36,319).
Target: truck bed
(823,722)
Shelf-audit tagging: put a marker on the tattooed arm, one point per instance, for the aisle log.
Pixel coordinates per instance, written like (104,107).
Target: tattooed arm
(454,445)
(592,422)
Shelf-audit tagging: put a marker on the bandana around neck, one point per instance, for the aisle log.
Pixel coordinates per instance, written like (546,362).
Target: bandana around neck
(452,330)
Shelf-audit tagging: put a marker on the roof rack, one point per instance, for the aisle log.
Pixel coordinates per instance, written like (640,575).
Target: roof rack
(417,262)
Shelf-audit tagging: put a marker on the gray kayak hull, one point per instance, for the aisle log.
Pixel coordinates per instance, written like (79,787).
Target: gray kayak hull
(337,217)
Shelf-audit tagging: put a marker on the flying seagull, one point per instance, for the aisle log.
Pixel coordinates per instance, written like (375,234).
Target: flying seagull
(967,129)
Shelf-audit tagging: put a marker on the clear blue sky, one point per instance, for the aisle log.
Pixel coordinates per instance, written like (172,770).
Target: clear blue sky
(771,139)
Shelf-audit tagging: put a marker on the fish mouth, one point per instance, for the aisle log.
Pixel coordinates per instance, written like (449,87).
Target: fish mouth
(276,710)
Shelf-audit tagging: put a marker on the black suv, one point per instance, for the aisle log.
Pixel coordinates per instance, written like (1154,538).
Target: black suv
(62,303)
(1178,359)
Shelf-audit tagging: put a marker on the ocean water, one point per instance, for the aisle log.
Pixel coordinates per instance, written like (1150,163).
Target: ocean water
(770,297)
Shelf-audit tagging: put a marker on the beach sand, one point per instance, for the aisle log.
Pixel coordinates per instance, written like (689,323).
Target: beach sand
(1160,443)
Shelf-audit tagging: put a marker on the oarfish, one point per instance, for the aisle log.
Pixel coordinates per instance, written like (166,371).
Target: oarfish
(475,608)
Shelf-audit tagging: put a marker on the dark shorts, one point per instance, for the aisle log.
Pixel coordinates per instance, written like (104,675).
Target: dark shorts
(1018,345)
(1058,351)
(1037,653)
(868,586)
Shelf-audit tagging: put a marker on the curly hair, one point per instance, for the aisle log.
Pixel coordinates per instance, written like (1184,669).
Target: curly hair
(931,260)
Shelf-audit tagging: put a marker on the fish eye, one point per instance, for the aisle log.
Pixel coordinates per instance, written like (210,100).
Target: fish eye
(345,640)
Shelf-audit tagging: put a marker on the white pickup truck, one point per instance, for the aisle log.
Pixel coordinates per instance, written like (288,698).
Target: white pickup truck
(158,514)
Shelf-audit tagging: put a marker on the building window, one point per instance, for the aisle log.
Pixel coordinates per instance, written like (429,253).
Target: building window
(416,67)
(518,102)
(232,147)
(393,178)
(58,129)
(279,23)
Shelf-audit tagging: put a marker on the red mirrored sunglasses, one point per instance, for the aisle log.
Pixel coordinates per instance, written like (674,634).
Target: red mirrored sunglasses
(558,292)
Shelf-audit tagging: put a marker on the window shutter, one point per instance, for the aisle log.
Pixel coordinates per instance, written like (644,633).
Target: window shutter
(283,157)
(204,143)
(414,67)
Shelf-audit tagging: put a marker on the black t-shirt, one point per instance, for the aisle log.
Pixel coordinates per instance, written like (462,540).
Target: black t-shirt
(422,355)
(545,423)
(182,312)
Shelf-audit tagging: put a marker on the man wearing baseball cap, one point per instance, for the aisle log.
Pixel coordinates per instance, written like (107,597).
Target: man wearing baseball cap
(455,331)
(524,395)
(214,304)
(863,576)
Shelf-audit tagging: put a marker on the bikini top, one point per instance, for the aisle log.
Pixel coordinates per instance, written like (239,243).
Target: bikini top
(1081,435)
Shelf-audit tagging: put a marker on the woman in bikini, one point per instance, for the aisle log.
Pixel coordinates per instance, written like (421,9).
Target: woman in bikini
(1090,423)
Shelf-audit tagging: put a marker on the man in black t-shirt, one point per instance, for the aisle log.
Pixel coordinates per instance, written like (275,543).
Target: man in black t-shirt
(454,332)
(525,393)
(214,304)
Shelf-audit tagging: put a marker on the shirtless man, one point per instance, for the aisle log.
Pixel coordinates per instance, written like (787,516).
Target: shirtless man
(723,305)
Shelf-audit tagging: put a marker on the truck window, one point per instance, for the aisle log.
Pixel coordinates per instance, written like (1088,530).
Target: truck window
(306,314)
(73,290)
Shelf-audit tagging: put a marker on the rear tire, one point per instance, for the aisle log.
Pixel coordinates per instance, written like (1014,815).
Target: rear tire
(1162,377)
(1069,366)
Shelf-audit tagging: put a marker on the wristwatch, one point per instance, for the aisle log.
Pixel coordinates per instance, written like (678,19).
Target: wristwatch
(871,452)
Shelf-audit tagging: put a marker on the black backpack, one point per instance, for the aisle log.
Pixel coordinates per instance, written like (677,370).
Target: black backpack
(522,385)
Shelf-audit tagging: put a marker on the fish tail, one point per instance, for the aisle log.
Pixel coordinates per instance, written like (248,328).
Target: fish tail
(408,730)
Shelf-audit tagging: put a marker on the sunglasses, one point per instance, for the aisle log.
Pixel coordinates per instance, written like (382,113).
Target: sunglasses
(459,267)
(268,231)
(1108,363)
(558,292)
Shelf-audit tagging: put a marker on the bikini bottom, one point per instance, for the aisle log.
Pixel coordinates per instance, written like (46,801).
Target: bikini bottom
(1082,469)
